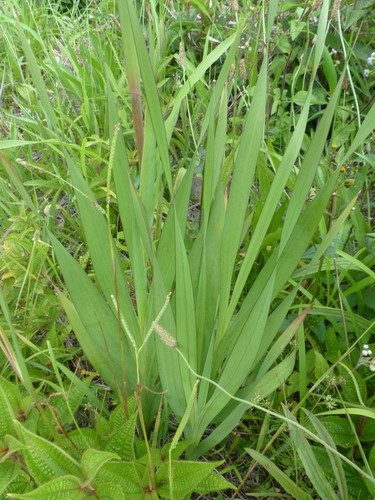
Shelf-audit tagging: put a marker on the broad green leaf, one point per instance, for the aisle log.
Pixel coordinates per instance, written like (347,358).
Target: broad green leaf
(133,75)
(102,250)
(321,36)
(10,400)
(254,392)
(166,252)
(213,483)
(83,439)
(62,488)
(92,461)
(163,276)
(321,365)
(126,474)
(273,379)
(254,311)
(121,441)
(133,219)
(280,344)
(309,167)
(149,171)
(111,490)
(185,312)
(340,430)
(44,459)
(93,321)
(186,477)
(273,198)
(241,185)
(123,412)
(12,478)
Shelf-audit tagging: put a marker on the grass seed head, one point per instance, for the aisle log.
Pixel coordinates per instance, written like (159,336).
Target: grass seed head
(165,336)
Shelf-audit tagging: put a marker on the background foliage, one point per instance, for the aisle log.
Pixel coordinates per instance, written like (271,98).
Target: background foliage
(187,249)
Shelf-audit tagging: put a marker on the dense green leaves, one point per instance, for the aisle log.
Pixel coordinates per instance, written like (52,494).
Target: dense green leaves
(187,209)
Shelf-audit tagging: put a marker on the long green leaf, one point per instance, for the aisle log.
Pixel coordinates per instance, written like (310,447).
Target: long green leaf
(289,486)
(96,325)
(313,470)
(335,460)
(243,174)
(149,85)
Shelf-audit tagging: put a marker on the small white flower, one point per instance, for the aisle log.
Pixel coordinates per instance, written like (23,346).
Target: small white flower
(371,59)
(329,402)
(366,351)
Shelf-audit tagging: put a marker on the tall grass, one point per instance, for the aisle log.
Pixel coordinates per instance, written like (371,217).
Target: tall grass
(169,300)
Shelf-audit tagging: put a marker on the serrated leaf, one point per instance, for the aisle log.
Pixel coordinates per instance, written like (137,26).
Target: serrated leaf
(7,473)
(11,391)
(111,491)
(93,461)
(118,415)
(80,440)
(122,441)
(9,399)
(355,483)
(10,445)
(44,459)
(20,484)
(61,488)
(12,478)
(186,477)
(213,482)
(67,404)
(177,451)
(126,475)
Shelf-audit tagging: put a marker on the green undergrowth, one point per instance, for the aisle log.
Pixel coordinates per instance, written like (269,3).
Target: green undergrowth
(187,249)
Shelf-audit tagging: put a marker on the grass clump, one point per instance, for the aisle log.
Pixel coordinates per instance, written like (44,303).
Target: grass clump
(187,249)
